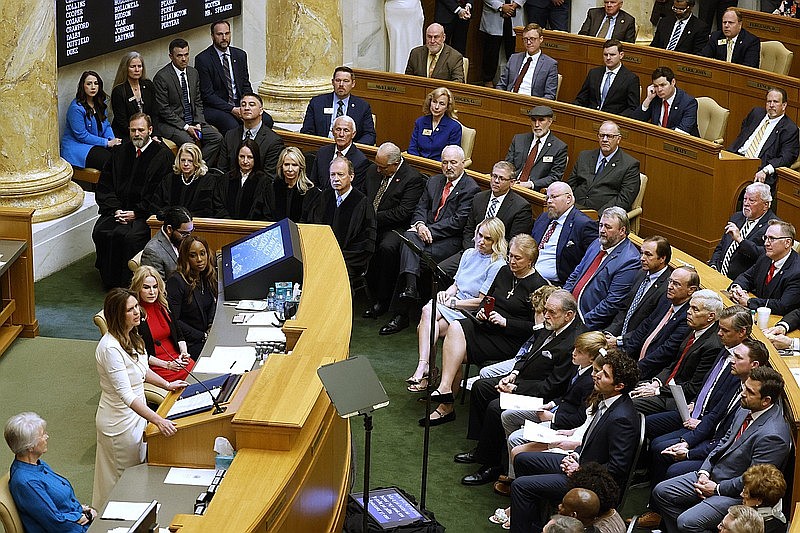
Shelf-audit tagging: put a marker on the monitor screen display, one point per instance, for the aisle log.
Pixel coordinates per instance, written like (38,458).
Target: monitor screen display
(389,508)
(260,250)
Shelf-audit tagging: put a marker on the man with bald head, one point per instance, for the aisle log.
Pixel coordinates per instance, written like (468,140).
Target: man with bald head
(393,187)
(563,234)
(582,504)
(344,132)
(435,59)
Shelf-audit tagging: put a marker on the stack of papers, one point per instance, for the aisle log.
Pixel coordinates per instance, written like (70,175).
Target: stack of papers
(197,402)
(227,360)
(518,402)
(265,318)
(265,335)
(201,477)
(124,510)
(534,432)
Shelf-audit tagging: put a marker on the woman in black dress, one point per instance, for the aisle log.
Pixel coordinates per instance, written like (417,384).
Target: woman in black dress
(190,186)
(192,292)
(132,93)
(245,193)
(497,336)
(294,195)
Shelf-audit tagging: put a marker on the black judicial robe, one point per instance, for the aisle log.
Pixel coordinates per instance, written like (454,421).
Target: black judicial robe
(126,183)
(251,201)
(289,202)
(197,197)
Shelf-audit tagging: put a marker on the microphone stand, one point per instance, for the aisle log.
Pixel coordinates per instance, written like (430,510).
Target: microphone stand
(217,407)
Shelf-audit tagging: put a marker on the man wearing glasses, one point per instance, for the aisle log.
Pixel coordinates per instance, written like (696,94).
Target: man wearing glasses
(682,31)
(605,177)
(531,72)
(775,277)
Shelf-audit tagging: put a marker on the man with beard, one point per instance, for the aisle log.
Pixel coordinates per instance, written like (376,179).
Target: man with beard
(161,252)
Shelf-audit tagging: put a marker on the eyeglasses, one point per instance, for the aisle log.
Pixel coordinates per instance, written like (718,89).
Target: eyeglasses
(770,238)
(554,196)
(530,39)
(496,177)
(183,233)
(608,135)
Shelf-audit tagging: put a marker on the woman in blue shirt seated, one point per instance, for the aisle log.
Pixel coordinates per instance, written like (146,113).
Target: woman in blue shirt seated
(437,128)
(45,500)
(88,135)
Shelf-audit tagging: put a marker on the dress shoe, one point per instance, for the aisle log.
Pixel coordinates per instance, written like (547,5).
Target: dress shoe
(649,520)
(375,311)
(486,474)
(397,324)
(409,293)
(441,418)
(466,457)
(501,488)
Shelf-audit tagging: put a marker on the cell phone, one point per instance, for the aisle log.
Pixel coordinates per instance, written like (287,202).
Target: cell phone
(487,305)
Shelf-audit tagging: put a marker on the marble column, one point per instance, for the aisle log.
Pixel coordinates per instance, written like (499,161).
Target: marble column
(641,10)
(303,46)
(32,173)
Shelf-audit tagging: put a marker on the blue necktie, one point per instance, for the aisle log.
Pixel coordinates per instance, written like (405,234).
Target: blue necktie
(606,86)
(600,167)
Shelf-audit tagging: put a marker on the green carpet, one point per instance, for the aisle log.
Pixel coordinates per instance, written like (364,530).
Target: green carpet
(65,304)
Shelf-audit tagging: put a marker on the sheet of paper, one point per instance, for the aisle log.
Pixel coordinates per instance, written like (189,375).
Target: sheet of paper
(266,318)
(520,402)
(471,381)
(227,359)
(265,335)
(124,510)
(251,305)
(184,405)
(202,477)
(680,400)
(538,433)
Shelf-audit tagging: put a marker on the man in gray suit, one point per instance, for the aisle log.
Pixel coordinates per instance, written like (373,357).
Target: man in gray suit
(180,108)
(435,59)
(605,177)
(531,72)
(539,156)
(697,501)
(161,252)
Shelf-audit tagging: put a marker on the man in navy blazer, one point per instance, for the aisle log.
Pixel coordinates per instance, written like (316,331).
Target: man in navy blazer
(693,31)
(741,246)
(777,146)
(344,130)
(746,46)
(680,109)
(322,109)
(775,278)
(605,275)
(542,79)
(611,441)
(622,95)
(571,235)
(621,25)
(221,98)
(697,501)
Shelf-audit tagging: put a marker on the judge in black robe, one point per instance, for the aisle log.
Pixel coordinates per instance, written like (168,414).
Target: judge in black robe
(241,198)
(294,196)
(191,187)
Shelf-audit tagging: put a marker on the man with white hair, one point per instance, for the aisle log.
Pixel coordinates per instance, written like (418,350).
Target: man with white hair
(344,130)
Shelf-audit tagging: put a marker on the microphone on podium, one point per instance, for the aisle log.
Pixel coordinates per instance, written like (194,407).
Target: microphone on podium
(217,407)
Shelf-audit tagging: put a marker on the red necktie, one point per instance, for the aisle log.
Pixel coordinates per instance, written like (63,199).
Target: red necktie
(771,273)
(528,166)
(747,420)
(680,360)
(665,115)
(548,234)
(578,288)
(138,152)
(521,76)
(445,193)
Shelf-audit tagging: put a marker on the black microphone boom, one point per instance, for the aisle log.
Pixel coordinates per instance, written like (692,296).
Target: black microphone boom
(217,407)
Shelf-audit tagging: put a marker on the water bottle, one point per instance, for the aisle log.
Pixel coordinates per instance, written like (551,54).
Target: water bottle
(271,299)
(279,299)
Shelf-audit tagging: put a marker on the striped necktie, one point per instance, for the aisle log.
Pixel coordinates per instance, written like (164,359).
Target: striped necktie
(676,34)
(726,260)
(755,144)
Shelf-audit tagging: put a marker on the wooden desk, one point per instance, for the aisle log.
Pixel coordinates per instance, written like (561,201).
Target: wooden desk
(769,27)
(291,472)
(672,161)
(17,309)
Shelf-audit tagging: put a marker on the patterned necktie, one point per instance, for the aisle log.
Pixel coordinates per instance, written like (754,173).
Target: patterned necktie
(340,109)
(521,75)
(379,195)
(676,34)
(525,174)
(600,167)
(248,135)
(603,32)
(187,107)
(726,260)
(445,193)
(655,332)
(747,420)
(433,65)
(728,50)
(226,66)
(680,359)
(578,288)
(665,115)
(492,208)
(755,144)
(635,303)
(771,273)
(338,200)
(606,87)
(548,234)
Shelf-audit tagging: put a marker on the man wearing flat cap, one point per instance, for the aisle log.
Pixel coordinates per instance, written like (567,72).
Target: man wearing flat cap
(539,156)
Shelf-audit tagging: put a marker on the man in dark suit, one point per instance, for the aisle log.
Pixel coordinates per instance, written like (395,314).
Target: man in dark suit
(553,14)
(394,188)
(695,357)
(732,43)
(435,59)
(540,164)
(648,288)
(743,241)
(543,369)
(344,130)
(180,107)
(437,227)
(269,143)
(759,434)
(161,252)
(605,274)
(610,440)
(668,106)
(609,22)
(350,215)
(454,16)
(224,78)
(563,233)
(500,202)
(324,108)
(682,31)
(775,277)
(611,88)
(654,343)
(768,134)
(605,177)
(531,72)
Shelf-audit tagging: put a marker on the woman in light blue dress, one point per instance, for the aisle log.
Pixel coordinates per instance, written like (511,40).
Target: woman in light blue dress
(476,272)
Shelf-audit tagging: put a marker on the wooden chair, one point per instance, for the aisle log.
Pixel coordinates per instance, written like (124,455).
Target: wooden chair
(171,145)
(636,209)
(87,175)
(467,144)
(9,517)
(775,57)
(558,87)
(466,69)
(712,119)
(135,262)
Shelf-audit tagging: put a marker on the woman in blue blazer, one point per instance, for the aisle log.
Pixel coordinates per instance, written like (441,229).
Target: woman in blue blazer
(88,136)
(437,128)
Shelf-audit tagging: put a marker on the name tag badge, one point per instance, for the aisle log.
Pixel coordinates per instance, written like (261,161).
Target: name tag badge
(427,132)
(328,111)
(547,159)
(722,42)
(546,353)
